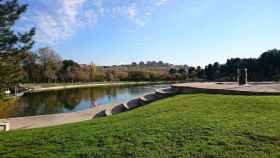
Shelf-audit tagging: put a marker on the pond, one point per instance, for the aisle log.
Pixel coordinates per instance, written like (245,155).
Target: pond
(72,100)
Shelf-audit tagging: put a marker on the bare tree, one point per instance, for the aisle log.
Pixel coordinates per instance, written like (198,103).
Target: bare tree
(51,63)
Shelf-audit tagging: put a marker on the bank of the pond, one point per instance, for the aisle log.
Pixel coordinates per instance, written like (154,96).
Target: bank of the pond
(39,121)
(89,113)
(51,87)
(189,125)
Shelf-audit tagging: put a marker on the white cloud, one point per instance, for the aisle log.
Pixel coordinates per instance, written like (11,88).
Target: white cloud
(90,17)
(117,11)
(48,31)
(59,20)
(160,2)
(70,9)
(98,3)
(132,13)
(99,6)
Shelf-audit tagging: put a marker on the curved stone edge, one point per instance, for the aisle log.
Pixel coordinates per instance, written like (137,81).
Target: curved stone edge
(112,110)
(167,91)
(139,101)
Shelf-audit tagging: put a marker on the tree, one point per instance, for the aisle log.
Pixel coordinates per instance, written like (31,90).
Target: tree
(109,75)
(183,71)
(121,75)
(92,72)
(11,42)
(32,68)
(192,73)
(69,63)
(172,71)
(269,63)
(68,71)
(12,45)
(138,75)
(51,63)
(200,73)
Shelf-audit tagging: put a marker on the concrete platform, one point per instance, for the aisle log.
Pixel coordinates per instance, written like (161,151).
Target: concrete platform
(252,88)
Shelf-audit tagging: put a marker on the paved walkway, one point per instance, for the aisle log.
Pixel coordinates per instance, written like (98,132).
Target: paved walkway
(40,88)
(252,87)
(53,119)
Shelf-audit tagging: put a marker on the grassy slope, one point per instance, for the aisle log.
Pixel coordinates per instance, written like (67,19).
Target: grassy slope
(182,126)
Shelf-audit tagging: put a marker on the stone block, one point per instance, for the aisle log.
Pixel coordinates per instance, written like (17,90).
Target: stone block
(4,126)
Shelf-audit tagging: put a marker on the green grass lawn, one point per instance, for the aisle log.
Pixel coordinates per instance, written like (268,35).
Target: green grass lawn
(199,126)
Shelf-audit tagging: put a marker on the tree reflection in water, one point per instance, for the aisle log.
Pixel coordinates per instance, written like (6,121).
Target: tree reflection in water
(71,100)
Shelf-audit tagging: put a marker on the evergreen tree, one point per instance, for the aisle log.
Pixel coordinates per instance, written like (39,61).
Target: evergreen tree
(13,45)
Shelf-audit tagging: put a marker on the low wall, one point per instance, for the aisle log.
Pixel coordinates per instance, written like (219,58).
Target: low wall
(138,102)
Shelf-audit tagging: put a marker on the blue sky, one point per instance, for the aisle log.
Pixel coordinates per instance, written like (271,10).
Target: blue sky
(193,32)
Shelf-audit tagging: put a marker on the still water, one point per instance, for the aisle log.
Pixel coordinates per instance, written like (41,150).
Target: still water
(71,100)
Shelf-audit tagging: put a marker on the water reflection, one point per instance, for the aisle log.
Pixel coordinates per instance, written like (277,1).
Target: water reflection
(71,100)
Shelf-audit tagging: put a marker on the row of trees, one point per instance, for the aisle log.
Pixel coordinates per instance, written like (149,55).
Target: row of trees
(264,68)
(45,65)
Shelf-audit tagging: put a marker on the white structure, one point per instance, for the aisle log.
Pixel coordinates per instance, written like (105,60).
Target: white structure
(7,92)
(4,126)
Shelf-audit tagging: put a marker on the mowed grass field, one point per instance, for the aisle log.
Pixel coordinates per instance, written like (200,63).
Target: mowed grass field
(195,125)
